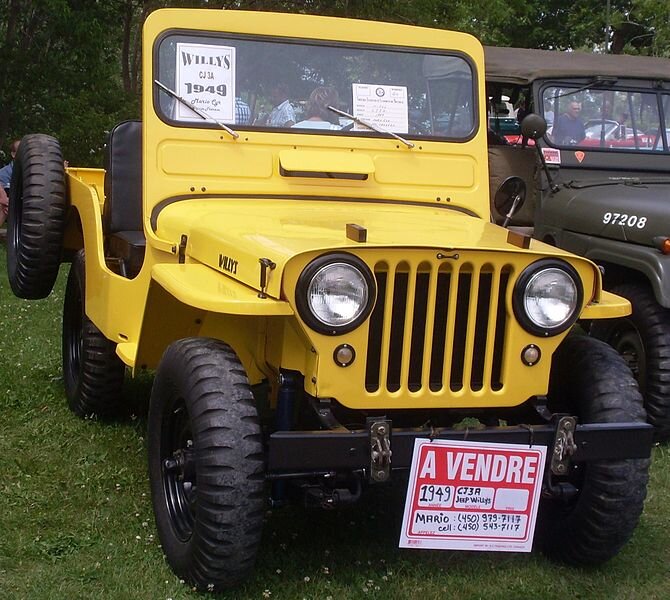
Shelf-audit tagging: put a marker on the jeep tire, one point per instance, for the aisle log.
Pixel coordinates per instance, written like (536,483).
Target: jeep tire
(37,211)
(591,380)
(643,339)
(92,372)
(206,464)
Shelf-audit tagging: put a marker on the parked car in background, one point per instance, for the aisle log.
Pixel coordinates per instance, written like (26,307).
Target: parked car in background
(607,133)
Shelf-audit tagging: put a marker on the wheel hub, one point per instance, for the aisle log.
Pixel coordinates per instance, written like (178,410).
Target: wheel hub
(628,343)
(179,474)
(181,464)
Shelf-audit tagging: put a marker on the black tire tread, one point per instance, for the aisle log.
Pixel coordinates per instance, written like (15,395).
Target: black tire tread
(590,379)
(35,236)
(653,323)
(226,433)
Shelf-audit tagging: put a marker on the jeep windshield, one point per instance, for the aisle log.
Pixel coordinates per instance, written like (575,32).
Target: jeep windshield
(614,119)
(273,84)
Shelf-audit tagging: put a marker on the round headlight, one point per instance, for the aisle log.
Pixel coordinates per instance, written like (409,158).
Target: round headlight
(546,297)
(335,293)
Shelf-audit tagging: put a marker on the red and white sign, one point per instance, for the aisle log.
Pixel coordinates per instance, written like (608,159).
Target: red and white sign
(552,156)
(472,496)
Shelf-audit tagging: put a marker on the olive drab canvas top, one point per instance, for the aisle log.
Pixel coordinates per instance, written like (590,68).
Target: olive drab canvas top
(524,65)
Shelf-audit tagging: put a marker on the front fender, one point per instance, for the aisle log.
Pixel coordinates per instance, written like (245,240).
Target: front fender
(645,260)
(187,300)
(201,287)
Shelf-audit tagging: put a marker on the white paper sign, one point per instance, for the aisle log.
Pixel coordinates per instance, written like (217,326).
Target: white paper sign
(205,78)
(384,106)
(472,496)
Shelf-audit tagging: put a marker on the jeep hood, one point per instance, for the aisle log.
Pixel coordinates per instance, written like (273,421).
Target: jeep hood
(232,235)
(630,209)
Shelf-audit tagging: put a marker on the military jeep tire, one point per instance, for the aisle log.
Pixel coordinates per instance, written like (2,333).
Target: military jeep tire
(643,339)
(206,464)
(591,380)
(37,211)
(92,372)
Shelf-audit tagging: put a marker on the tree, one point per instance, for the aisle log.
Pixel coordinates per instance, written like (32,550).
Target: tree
(72,67)
(59,73)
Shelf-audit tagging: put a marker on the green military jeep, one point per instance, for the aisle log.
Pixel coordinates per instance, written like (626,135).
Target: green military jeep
(297,239)
(607,148)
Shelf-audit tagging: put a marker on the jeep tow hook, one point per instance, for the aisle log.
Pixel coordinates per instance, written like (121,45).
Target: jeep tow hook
(380,449)
(564,445)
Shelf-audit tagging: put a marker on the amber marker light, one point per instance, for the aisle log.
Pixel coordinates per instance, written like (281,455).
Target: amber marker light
(662,244)
(344,355)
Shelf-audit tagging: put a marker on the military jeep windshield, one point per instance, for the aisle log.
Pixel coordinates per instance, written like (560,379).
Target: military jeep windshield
(601,117)
(275,84)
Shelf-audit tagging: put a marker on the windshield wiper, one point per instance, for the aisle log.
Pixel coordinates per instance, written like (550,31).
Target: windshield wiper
(369,126)
(201,113)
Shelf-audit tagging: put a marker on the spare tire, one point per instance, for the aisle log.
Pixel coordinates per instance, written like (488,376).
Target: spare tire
(37,210)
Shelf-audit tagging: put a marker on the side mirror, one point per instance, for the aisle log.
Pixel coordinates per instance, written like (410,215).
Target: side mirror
(533,126)
(510,197)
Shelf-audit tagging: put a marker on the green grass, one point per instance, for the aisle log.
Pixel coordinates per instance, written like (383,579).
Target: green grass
(76,520)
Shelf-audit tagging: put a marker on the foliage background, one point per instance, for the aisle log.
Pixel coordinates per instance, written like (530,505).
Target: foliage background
(70,68)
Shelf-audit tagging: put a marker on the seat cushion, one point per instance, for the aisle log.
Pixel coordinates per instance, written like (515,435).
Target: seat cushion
(123,178)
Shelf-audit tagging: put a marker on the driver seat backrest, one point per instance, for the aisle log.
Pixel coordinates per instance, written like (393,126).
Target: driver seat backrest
(122,213)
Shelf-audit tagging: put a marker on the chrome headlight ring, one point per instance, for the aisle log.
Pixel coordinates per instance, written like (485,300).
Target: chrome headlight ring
(335,293)
(547,297)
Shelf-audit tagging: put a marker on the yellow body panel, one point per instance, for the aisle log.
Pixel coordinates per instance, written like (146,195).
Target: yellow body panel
(200,287)
(608,306)
(230,224)
(326,161)
(212,162)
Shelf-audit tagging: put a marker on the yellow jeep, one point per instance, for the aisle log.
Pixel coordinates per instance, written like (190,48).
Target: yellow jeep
(297,239)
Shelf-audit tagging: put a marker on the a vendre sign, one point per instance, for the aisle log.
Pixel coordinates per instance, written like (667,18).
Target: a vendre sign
(472,496)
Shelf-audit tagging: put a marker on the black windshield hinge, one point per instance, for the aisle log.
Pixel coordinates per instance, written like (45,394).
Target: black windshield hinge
(266,264)
(182,249)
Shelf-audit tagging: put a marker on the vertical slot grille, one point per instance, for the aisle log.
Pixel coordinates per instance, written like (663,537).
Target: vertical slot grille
(436,326)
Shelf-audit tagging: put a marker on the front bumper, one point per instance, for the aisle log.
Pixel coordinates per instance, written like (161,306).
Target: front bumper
(292,453)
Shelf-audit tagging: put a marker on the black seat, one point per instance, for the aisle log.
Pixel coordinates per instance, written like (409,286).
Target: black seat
(122,215)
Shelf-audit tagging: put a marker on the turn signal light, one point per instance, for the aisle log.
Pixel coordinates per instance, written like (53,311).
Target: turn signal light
(531,355)
(663,244)
(344,355)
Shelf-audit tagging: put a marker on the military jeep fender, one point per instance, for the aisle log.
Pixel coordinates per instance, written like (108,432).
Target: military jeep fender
(642,260)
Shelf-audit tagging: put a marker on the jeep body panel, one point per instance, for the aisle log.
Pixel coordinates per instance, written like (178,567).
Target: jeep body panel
(628,208)
(207,158)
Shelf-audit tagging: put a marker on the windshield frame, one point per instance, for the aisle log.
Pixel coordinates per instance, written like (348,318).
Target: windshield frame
(209,34)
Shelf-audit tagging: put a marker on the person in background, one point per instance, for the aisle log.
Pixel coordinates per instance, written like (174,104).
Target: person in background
(242,112)
(4,205)
(283,114)
(318,115)
(6,181)
(569,128)
(622,129)
(7,170)
(548,114)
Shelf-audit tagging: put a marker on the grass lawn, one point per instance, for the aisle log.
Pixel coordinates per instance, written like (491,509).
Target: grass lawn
(76,520)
